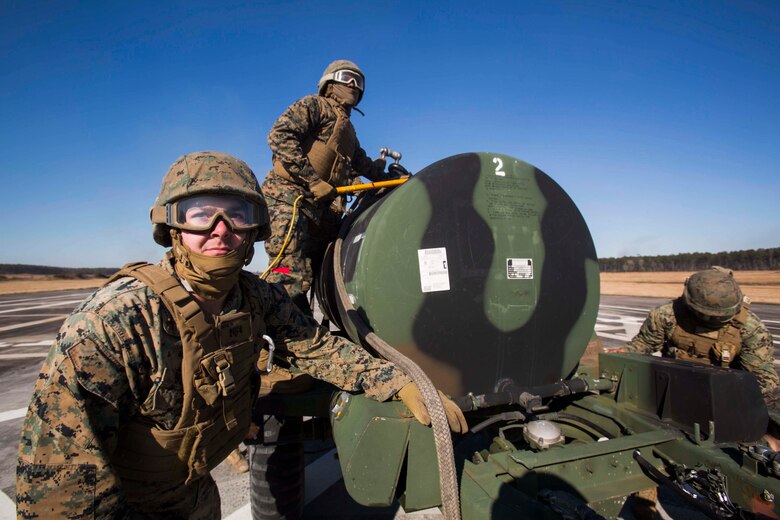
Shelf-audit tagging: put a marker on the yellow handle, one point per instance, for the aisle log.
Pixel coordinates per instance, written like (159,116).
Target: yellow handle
(370,185)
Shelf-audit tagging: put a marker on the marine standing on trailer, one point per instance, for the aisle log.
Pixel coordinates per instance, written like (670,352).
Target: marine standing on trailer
(151,380)
(712,323)
(315,150)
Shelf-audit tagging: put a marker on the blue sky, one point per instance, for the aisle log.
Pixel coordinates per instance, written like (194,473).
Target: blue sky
(660,119)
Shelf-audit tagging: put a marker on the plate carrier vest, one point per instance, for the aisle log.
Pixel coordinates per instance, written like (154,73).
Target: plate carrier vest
(220,384)
(332,161)
(716,347)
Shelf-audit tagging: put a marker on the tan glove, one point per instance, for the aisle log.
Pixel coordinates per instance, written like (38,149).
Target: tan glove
(411,397)
(322,190)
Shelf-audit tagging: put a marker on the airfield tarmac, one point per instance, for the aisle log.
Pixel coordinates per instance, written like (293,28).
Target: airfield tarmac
(29,324)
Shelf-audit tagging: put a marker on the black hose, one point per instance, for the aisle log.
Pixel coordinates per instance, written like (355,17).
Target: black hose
(513,394)
(508,416)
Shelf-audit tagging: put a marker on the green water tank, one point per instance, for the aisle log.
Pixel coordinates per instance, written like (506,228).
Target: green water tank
(480,268)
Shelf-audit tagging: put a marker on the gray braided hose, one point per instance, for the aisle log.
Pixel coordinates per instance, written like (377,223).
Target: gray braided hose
(448,482)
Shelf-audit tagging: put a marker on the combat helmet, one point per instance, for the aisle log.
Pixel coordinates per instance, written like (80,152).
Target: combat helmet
(330,71)
(713,293)
(206,173)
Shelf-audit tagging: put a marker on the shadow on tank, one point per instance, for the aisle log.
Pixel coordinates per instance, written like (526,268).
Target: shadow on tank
(533,353)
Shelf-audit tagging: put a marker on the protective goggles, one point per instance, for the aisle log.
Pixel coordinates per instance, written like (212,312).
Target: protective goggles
(200,213)
(349,77)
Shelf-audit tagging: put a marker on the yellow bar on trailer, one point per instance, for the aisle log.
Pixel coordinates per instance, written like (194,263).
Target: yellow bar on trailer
(370,186)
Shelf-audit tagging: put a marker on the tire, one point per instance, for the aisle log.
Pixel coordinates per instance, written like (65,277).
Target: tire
(276,474)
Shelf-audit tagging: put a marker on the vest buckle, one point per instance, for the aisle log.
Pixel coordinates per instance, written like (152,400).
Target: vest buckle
(226,381)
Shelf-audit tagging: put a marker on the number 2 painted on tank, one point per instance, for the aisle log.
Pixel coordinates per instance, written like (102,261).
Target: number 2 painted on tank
(499,164)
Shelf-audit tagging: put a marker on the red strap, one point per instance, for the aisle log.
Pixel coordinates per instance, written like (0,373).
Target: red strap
(281,270)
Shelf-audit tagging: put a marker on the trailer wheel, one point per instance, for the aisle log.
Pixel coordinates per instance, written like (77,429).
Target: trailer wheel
(276,476)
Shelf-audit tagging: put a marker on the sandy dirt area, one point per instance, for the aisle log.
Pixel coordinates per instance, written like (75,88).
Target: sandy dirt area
(28,283)
(760,286)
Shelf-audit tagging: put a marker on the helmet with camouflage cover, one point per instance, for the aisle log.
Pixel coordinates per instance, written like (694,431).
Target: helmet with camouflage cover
(335,66)
(206,173)
(713,293)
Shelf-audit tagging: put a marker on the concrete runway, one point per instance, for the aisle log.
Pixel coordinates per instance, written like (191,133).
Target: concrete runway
(29,324)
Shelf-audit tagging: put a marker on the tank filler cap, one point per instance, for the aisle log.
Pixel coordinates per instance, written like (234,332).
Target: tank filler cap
(542,434)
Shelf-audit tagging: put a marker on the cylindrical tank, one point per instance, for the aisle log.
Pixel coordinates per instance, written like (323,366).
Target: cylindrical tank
(480,268)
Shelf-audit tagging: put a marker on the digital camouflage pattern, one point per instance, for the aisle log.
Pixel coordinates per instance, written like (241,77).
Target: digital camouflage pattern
(118,356)
(311,116)
(206,172)
(756,356)
(713,292)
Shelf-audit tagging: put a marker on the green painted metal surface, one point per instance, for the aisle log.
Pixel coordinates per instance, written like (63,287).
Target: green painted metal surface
(380,444)
(481,269)
(463,269)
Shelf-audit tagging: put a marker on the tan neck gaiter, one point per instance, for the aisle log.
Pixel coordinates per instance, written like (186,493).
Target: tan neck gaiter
(211,277)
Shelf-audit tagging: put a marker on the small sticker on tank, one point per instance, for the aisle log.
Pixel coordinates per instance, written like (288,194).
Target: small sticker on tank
(519,269)
(434,271)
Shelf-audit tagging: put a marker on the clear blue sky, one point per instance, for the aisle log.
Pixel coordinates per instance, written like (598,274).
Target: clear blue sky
(660,119)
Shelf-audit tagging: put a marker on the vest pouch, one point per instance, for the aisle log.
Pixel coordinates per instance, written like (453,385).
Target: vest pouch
(208,389)
(683,352)
(214,443)
(711,346)
(322,158)
(147,454)
(340,173)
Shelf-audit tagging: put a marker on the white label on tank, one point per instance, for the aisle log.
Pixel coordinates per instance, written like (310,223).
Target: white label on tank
(519,269)
(434,271)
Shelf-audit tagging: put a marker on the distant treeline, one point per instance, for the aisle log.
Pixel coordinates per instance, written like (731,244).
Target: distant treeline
(60,272)
(748,260)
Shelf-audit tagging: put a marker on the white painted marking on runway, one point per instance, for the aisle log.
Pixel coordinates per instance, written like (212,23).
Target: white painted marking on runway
(24,356)
(12,414)
(320,475)
(7,507)
(81,295)
(624,308)
(59,304)
(35,315)
(242,513)
(42,343)
(31,323)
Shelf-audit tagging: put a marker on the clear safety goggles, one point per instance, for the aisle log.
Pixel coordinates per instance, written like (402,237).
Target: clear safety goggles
(349,77)
(200,213)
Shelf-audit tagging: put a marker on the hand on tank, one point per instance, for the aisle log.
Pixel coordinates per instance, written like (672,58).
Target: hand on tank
(411,397)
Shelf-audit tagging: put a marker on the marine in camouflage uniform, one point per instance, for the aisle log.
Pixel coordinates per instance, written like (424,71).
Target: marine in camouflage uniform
(711,323)
(124,377)
(315,149)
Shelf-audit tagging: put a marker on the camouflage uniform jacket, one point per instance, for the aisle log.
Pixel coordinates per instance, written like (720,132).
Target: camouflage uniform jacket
(83,396)
(756,356)
(311,116)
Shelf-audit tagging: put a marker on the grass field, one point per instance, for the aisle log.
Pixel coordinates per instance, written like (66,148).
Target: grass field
(760,286)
